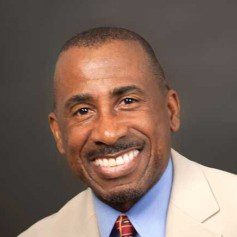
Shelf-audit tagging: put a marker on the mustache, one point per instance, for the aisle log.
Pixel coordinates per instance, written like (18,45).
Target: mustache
(104,150)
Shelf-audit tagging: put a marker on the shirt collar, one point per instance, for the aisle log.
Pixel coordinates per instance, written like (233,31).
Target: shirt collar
(148,215)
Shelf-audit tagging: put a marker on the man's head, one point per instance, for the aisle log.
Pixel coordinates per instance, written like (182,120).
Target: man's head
(114,113)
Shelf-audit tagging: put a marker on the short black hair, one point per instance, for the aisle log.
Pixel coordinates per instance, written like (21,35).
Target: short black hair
(100,35)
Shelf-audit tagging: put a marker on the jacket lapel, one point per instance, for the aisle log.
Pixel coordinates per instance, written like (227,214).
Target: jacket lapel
(191,202)
(180,224)
(80,218)
(88,218)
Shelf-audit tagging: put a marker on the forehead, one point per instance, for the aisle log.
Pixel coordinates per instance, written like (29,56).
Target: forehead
(107,65)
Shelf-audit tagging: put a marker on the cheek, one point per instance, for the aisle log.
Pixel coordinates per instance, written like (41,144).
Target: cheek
(155,126)
(152,122)
(74,138)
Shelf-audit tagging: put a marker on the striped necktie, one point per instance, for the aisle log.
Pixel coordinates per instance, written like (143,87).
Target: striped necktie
(124,226)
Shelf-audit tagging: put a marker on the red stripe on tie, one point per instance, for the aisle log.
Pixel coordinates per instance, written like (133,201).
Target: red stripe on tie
(125,227)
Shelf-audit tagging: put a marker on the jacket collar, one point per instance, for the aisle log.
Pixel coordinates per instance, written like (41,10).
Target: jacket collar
(87,216)
(192,200)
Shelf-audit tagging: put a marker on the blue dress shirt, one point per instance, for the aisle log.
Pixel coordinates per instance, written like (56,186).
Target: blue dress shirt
(148,215)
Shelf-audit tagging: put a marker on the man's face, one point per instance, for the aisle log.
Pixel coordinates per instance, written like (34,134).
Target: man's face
(112,120)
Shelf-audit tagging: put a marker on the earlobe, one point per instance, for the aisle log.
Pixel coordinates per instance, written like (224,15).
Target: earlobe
(175,124)
(174,110)
(54,126)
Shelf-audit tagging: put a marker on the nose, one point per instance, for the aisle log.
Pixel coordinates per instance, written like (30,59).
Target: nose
(108,130)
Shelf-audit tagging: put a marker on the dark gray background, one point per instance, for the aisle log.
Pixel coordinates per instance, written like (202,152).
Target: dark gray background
(196,43)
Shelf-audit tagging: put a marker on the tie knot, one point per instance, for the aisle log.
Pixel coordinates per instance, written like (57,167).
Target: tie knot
(124,226)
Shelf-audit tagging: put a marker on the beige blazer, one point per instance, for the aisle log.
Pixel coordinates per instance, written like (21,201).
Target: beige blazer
(203,203)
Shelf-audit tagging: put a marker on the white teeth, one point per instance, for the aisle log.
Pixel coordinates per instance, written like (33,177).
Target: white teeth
(101,162)
(131,155)
(119,160)
(97,162)
(112,162)
(105,162)
(125,158)
(135,153)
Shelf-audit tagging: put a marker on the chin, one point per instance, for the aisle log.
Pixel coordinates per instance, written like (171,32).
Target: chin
(123,196)
(121,200)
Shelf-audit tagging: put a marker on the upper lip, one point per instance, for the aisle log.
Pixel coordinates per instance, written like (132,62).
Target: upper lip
(117,153)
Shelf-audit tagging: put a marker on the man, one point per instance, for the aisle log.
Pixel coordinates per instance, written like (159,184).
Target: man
(113,118)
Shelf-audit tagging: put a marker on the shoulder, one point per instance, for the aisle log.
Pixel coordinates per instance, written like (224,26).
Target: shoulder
(206,194)
(77,207)
(217,177)
(223,184)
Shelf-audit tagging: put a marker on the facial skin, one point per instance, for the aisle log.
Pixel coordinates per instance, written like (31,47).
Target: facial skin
(108,103)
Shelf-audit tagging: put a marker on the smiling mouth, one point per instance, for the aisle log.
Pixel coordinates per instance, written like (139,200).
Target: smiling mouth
(117,161)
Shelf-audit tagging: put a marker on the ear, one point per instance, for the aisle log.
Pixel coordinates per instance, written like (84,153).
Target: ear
(173,105)
(54,126)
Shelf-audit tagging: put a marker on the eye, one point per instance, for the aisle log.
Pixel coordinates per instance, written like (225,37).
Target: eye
(129,100)
(129,103)
(82,111)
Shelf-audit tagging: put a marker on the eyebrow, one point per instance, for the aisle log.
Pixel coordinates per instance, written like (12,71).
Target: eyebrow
(77,99)
(126,89)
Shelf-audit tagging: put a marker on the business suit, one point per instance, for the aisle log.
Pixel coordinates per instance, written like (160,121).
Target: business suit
(202,204)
